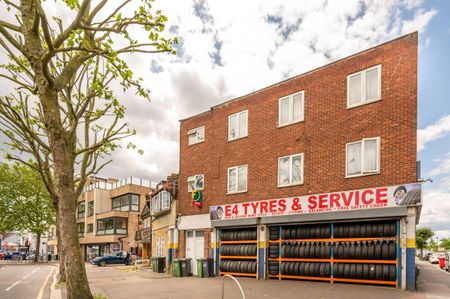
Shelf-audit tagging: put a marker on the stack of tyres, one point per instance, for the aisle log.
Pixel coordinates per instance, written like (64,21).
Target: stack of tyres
(238,235)
(379,229)
(306,269)
(238,256)
(274,268)
(368,250)
(238,266)
(365,271)
(312,250)
(274,233)
(274,251)
(316,231)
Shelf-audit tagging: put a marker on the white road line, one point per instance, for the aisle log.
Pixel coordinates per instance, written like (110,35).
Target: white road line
(41,290)
(16,283)
(2,268)
(28,275)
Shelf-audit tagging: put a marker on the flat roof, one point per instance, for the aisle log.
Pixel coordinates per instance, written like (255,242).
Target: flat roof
(300,75)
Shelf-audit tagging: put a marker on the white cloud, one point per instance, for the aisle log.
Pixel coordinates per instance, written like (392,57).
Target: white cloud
(443,168)
(435,211)
(433,132)
(257,43)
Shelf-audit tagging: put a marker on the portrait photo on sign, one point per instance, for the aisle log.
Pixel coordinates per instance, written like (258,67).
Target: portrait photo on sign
(216,213)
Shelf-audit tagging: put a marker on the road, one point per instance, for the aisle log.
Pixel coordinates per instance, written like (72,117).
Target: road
(22,281)
(433,284)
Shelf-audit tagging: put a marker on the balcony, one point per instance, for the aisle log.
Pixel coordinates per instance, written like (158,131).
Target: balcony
(118,184)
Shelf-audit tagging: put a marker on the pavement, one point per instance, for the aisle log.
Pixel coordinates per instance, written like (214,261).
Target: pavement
(121,282)
(25,281)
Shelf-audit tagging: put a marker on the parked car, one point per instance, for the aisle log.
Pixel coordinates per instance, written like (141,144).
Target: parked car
(447,261)
(113,258)
(434,258)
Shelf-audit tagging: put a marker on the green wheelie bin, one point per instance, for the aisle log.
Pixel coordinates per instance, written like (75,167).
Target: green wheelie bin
(200,267)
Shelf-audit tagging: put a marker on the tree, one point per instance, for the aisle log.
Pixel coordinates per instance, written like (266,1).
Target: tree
(24,201)
(64,113)
(445,243)
(422,236)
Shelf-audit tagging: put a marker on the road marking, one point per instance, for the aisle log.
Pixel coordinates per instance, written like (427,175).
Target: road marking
(28,275)
(16,283)
(41,290)
(2,268)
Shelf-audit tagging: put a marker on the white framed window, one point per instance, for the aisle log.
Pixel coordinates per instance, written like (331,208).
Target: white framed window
(364,87)
(160,246)
(196,182)
(363,157)
(196,135)
(291,109)
(290,170)
(237,179)
(160,202)
(238,125)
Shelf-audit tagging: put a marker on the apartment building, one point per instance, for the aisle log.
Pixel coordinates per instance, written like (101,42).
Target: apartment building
(326,159)
(108,215)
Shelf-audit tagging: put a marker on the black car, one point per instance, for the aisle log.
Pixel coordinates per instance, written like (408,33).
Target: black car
(113,258)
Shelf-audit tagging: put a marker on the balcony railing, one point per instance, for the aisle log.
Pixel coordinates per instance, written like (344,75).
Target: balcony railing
(118,184)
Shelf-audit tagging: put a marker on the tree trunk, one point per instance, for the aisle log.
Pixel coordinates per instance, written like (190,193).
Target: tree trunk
(38,247)
(62,272)
(75,272)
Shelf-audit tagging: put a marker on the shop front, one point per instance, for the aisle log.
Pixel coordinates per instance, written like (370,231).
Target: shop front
(359,236)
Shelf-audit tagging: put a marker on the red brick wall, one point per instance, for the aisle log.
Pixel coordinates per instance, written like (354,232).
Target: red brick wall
(322,137)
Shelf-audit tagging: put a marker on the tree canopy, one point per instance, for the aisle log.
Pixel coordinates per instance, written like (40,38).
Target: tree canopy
(25,204)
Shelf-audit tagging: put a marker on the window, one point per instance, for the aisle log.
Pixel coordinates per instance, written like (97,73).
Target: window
(90,227)
(363,157)
(90,208)
(160,246)
(291,109)
(290,170)
(364,87)
(81,210)
(81,229)
(196,135)
(237,179)
(160,202)
(113,225)
(237,125)
(196,182)
(126,203)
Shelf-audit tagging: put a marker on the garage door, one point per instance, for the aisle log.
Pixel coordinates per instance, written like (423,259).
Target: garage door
(356,252)
(238,252)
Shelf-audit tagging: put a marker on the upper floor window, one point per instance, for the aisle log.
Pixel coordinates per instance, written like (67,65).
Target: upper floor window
(90,227)
(237,179)
(364,87)
(113,225)
(363,157)
(81,210)
(126,202)
(238,125)
(290,170)
(196,135)
(291,109)
(196,182)
(160,202)
(90,208)
(81,229)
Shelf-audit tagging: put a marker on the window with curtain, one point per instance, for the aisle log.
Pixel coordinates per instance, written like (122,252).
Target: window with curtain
(196,135)
(364,87)
(291,109)
(363,157)
(237,179)
(238,125)
(90,208)
(290,170)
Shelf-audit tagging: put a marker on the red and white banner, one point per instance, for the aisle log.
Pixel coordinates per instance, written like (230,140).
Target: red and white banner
(382,197)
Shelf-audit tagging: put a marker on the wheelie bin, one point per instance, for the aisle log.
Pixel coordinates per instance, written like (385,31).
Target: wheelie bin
(200,269)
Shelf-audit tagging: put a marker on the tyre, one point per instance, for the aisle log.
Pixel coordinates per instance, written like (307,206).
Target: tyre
(352,270)
(379,272)
(371,252)
(378,251)
(301,269)
(347,270)
(346,252)
(412,197)
(392,273)
(357,230)
(385,272)
(386,229)
(369,229)
(297,268)
(346,231)
(298,232)
(102,264)
(380,229)
(351,252)
(372,272)
(363,230)
(385,251)
(318,232)
(312,232)
(292,268)
(322,270)
(359,271)
(327,270)
(338,251)
(357,254)
(392,251)
(364,252)
(366,270)
(297,251)
(392,229)
(316,272)
(351,231)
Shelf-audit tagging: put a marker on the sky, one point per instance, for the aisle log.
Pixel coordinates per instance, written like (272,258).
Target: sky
(230,48)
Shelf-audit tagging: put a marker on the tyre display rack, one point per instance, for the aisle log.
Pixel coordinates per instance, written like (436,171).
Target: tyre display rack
(238,252)
(354,252)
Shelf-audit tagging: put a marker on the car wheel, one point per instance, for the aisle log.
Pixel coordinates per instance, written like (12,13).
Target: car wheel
(102,264)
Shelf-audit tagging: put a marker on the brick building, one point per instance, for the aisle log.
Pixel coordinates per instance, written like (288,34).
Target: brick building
(309,140)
